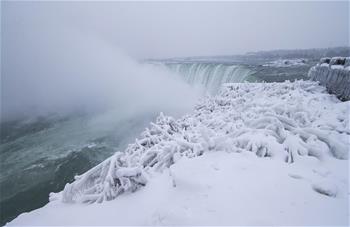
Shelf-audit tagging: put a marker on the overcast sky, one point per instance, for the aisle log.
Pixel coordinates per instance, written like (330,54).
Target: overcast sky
(163,29)
(60,56)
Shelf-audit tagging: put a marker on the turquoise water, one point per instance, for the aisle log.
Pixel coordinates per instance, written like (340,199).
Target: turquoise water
(40,156)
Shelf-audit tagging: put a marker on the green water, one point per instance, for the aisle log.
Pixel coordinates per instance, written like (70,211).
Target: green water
(41,155)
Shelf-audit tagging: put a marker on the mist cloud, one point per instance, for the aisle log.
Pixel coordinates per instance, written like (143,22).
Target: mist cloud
(61,69)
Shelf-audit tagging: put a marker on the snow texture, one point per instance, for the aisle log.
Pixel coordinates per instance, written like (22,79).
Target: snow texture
(218,188)
(282,121)
(334,73)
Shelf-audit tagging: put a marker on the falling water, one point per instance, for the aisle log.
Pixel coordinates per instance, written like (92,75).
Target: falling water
(210,76)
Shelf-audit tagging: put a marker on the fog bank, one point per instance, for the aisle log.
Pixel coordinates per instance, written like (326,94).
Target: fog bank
(62,69)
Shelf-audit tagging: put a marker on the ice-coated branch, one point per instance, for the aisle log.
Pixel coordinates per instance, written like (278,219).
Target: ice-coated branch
(287,121)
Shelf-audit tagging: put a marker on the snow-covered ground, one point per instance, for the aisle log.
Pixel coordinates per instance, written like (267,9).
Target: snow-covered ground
(286,62)
(217,188)
(255,154)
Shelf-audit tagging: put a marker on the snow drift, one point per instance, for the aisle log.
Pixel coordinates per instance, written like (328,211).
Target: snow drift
(334,73)
(285,121)
(218,188)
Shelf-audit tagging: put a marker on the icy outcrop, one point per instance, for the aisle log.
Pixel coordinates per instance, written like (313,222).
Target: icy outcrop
(285,121)
(334,74)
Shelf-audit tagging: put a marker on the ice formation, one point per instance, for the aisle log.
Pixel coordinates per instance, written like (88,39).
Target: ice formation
(334,73)
(285,121)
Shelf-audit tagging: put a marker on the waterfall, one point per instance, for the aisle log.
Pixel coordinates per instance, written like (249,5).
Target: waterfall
(210,76)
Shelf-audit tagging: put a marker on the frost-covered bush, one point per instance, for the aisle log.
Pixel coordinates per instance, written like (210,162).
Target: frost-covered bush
(287,121)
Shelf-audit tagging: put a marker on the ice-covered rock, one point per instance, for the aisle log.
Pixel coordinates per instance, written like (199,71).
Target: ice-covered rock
(283,121)
(334,74)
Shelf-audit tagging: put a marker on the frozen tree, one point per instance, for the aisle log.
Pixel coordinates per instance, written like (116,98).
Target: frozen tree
(286,121)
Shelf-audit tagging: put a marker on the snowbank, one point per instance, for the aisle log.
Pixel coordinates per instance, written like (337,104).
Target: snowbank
(255,154)
(334,73)
(217,188)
